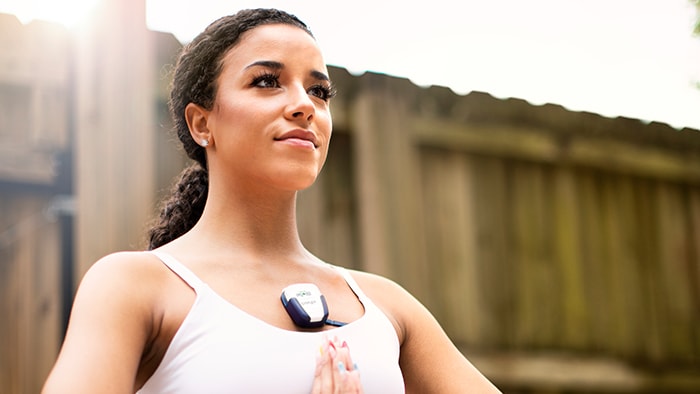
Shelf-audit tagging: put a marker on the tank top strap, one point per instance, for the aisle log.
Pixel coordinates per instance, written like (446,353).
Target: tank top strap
(351,282)
(178,268)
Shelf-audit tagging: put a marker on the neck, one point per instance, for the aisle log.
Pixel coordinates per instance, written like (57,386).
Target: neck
(247,220)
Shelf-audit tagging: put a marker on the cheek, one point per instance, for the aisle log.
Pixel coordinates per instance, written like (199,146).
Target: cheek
(325,122)
(233,121)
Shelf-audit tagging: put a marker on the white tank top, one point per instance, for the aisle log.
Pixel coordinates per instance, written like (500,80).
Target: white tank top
(221,349)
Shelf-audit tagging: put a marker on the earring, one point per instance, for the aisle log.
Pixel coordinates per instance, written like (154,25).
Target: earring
(204,142)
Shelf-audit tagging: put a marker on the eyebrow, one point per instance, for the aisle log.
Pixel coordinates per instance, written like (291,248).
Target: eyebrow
(279,66)
(266,63)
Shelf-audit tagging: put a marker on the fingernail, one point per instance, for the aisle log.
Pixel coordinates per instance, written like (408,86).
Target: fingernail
(345,344)
(341,367)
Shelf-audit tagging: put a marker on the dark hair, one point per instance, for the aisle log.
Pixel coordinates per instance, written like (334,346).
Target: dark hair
(195,81)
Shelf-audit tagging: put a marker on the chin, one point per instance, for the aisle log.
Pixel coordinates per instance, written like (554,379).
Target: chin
(297,177)
(299,186)
(296,182)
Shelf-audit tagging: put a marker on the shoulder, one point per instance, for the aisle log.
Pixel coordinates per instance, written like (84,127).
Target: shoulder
(123,263)
(114,317)
(373,284)
(129,281)
(122,270)
(429,360)
(395,301)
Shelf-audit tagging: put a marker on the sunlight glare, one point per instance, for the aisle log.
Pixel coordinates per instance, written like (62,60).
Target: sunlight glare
(66,12)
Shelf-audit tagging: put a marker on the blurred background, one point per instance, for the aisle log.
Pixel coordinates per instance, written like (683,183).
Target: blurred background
(529,170)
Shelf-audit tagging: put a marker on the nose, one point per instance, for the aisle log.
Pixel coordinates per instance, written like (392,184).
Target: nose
(300,106)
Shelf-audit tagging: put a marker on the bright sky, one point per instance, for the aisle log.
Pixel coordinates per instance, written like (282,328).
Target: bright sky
(634,58)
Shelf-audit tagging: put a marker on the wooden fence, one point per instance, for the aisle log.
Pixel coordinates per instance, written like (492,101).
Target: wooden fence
(537,236)
(558,249)
(34,137)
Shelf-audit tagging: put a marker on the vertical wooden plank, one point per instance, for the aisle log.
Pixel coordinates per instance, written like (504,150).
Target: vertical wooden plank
(621,265)
(548,269)
(31,216)
(458,272)
(46,328)
(449,236)
(646,255)
(449,241)
(637,228)
(6,277)
(593,258)
(375,255)
(675,302)
(536,285)
(415,262)
(566,238)
(609,266)
(28,293)
(493,251)
(523,244)
(431,164)
(340,211)
(694,260)
(649,256)
(386,162)
(115,104)
(13,221)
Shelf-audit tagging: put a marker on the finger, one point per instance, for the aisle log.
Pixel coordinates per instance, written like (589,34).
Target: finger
(339,376)
(348,377)
(323,377)
(353,381)
(316,387)
(346,381)
(345,357)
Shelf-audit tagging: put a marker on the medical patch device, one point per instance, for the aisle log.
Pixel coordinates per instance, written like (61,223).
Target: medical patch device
(306,306)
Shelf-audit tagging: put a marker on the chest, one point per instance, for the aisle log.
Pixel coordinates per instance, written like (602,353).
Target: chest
(228,350)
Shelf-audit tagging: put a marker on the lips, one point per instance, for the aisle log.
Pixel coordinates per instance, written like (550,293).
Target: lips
(299,134)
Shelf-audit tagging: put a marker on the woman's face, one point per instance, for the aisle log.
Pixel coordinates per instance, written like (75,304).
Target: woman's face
(271,120)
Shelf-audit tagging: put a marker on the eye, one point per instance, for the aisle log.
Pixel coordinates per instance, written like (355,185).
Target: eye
(267,80)
(323,92)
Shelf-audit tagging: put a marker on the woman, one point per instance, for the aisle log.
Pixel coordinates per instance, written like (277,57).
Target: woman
(201,312)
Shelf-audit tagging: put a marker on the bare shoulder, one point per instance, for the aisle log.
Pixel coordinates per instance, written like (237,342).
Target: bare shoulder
(123,282)
(380,286)
(126,275)
(114,316)
(395,301)
(133,282)
(429,360)
(125,263)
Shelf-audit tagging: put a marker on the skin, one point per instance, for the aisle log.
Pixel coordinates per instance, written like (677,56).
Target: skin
(247,241)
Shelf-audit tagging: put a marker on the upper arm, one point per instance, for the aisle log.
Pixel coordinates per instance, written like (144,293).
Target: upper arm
(110,324)
(429,361)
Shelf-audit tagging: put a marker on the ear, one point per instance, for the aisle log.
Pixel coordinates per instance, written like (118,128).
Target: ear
(197,121)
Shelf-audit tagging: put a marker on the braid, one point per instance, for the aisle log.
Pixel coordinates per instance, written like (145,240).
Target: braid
(182,209)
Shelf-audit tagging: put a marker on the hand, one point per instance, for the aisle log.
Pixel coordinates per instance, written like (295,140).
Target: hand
(335,371)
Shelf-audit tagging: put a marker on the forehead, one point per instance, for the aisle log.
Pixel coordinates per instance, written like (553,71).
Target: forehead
(277,42)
